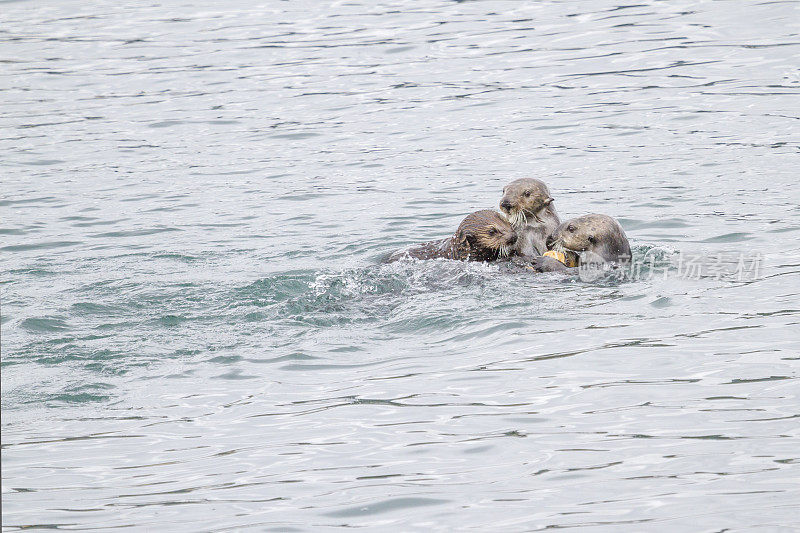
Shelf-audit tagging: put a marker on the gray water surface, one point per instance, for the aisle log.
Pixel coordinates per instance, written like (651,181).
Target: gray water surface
(197,334)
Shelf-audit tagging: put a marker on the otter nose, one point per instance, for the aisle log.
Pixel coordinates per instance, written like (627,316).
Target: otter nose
(506,205)
(550,241)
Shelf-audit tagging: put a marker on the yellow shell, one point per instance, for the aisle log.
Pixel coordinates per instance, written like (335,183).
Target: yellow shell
(558,256)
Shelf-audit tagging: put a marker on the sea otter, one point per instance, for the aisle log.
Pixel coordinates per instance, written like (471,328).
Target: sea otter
(529,207)
(482,236)
(584,241)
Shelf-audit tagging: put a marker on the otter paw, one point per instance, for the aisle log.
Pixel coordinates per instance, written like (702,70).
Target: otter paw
(548,264)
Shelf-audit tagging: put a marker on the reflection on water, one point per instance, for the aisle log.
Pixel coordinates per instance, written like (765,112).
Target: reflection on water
(197,332)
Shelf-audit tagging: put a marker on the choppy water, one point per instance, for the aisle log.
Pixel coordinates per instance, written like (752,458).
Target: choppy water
(196,332)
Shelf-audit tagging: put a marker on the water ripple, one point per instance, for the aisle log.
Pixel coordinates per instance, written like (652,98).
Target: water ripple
(195,318)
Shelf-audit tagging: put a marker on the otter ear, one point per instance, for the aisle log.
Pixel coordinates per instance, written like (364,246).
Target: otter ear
(591,239)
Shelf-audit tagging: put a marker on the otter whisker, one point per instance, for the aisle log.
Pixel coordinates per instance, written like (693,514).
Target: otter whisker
(559,247)
(518,219)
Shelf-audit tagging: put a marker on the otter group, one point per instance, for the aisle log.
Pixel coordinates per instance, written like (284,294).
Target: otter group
(528,230)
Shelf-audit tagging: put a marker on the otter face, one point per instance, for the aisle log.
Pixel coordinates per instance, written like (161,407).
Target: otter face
(599,234)
(486,235)
(523,198)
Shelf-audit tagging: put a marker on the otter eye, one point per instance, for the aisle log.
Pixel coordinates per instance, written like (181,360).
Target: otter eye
(527,193)
(571,228)
(492,231)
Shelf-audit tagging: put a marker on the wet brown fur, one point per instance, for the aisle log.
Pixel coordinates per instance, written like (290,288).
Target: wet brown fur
(529,206)
(479,237)
(586,240)
(600,235)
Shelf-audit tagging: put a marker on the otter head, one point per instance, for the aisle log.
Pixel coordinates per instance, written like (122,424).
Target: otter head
(484,236)
(591,239)
(525,198)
